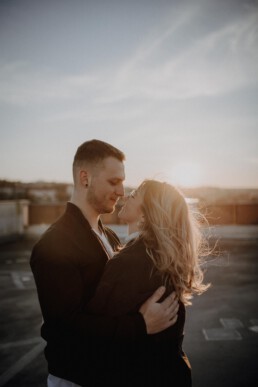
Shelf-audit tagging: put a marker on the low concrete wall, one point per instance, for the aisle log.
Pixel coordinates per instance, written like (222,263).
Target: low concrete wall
(232,214)
(49,213)
(13,218)
(19,217)
(45,213)
(216,214)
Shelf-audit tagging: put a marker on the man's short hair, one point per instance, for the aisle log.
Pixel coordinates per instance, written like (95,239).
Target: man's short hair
(93,152)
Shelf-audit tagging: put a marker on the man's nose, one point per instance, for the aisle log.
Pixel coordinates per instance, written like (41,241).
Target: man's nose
(120,190)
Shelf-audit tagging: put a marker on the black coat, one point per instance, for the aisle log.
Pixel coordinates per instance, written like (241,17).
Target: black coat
(67,263)
(152,360)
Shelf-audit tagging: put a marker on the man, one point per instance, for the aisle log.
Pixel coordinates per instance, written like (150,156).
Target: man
(67,263)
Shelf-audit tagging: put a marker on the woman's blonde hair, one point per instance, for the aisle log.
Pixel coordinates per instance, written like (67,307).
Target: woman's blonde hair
(172,237)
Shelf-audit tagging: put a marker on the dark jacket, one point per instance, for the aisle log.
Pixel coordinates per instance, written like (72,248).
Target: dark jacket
(152,360)
(67,263)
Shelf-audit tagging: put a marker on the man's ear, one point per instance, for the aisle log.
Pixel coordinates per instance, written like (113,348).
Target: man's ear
(84,178)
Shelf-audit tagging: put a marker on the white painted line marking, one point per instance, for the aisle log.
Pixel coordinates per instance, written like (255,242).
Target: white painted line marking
(254,328)
(13,344)
(21,363)
(223,334)
(26,278)
(17,280)
(232,323)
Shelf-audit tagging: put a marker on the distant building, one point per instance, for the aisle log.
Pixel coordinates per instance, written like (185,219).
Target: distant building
(42,195)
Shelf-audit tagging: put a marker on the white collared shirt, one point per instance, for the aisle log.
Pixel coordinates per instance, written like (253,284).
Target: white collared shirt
(54,381)
(109,250)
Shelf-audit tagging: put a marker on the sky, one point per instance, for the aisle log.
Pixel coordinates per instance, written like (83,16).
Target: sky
(172,83)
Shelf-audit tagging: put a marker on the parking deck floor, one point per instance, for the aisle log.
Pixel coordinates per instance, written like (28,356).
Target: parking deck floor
(221,332)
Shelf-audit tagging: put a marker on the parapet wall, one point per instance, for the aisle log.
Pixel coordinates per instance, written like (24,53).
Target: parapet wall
(231,214)
(19,217)
(13,218)
(216,214)
(45,213)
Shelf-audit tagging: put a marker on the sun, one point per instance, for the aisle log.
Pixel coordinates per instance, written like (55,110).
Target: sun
(186,174)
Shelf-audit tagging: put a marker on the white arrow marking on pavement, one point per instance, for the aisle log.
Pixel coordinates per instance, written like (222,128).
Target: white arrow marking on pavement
(21,363)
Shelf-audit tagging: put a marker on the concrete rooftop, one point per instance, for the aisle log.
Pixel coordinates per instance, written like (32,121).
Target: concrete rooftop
(221,332)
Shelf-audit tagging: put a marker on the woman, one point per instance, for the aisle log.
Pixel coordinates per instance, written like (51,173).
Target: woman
(165,252)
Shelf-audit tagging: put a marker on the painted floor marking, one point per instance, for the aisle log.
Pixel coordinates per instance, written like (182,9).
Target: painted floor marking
(231,323)
(21,363)
(17,280)
(26,278)
(229,330)
(254,327)
(20,343)
(216,334)
(21,279)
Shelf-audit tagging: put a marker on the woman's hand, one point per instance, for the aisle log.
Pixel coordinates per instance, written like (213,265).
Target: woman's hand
(159,316)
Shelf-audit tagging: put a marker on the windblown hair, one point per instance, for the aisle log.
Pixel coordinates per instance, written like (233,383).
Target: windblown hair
(93,152)
(172,238)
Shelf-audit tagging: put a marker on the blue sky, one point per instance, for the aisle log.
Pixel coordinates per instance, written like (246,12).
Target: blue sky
(174,84)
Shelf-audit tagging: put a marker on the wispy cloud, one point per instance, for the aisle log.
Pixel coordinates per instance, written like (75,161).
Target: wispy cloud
(217,63)
(21,84)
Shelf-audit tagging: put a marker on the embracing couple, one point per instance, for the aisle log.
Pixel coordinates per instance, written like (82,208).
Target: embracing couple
(113,315)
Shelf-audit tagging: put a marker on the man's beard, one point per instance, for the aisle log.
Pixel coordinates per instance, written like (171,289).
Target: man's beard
(97,204)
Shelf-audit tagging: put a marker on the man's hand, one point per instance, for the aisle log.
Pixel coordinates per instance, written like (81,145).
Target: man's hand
(159,316)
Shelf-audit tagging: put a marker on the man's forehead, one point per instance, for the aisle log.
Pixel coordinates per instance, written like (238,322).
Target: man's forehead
(113,166)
